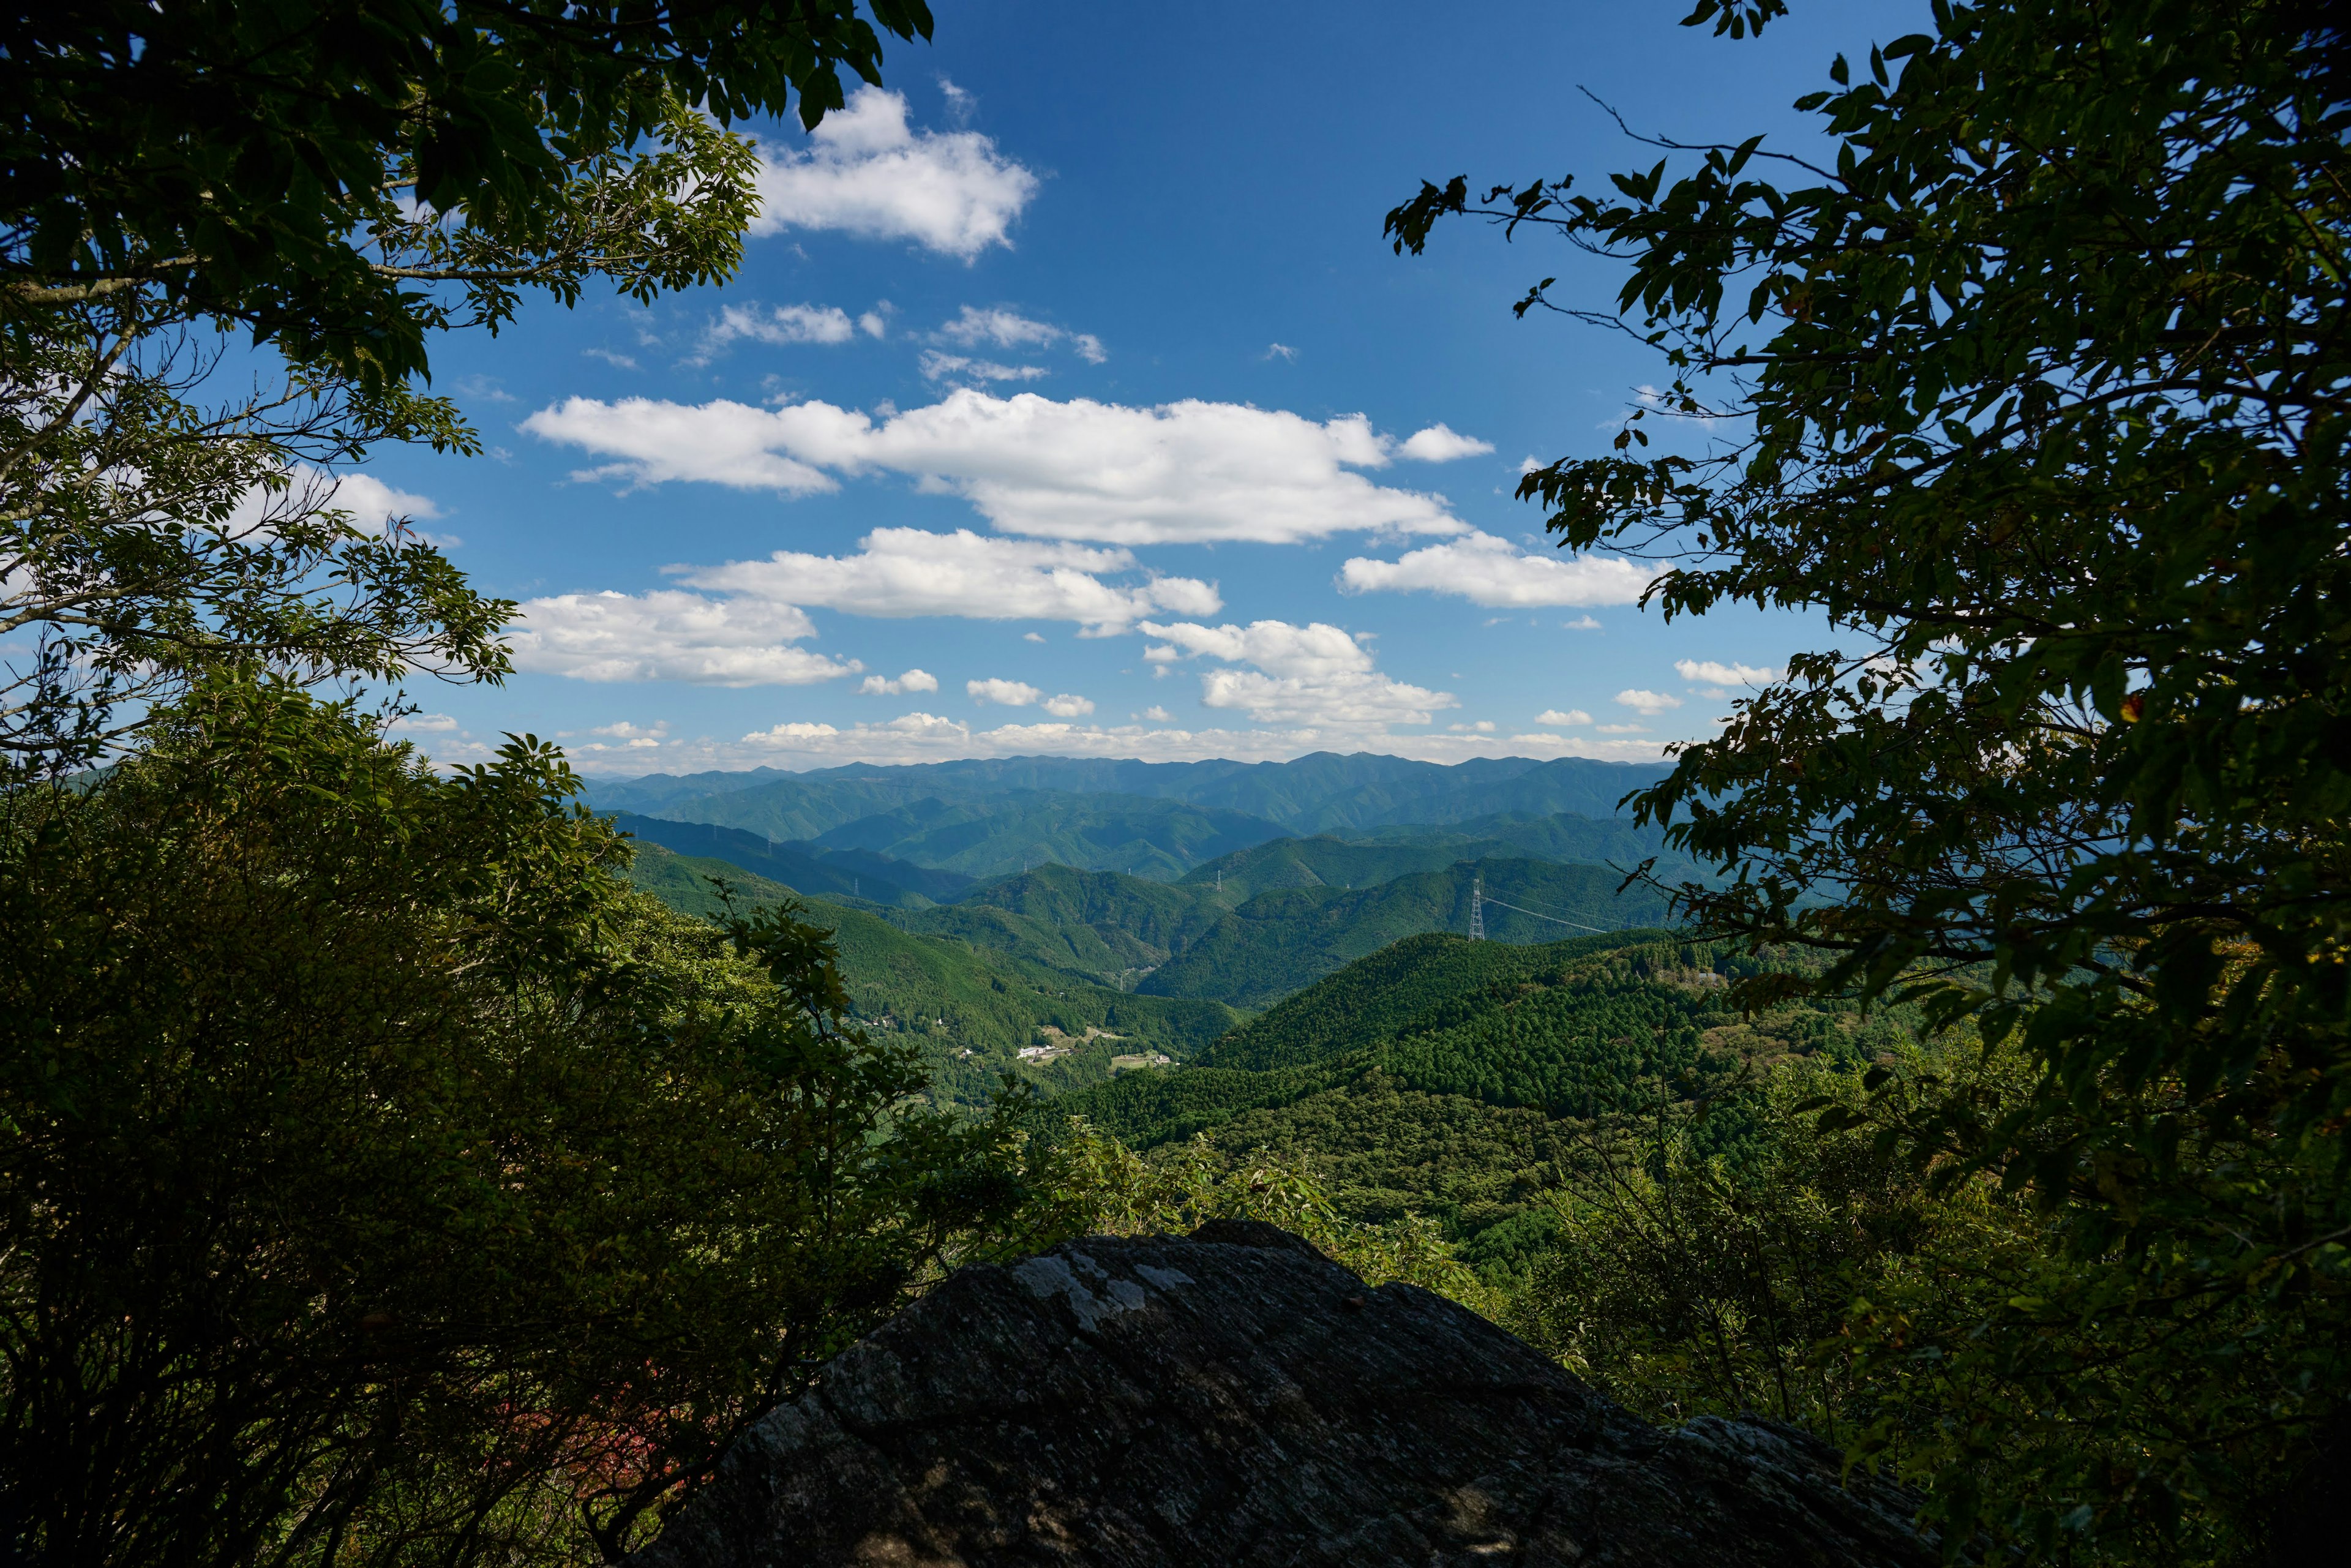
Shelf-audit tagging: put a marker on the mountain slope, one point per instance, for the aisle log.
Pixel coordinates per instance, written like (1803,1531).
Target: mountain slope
(1009,832)
(1449,1078)
(853,875)
(682,882)
(1279,941)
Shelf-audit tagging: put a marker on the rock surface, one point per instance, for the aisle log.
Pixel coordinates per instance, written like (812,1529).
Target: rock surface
(1234,1397)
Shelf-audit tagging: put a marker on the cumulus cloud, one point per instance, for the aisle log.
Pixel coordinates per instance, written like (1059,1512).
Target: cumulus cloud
(1011,694)
(939,367)
(1581,624)
(1622,729)
(721,443)
(424,723)
(1181,473)
(1649,703)
(902,572)
(1001,329)
(1440,444)
(1573,715)
(866,172)
(372,505)
(1708,673)
(1314,675)
(670,636)
(783,324)
(1159,715)
(912,681)
(1492,571)
(1068,706)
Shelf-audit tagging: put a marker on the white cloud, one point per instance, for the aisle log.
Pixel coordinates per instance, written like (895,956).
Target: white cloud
(1068,706)
(1440,444)
(1649,703)
(1708,673)
(902,572)
(1314,675)
(1622,729)
(1492,571)
(912,681)
(424,723)
(1159,715)
(1032,636)
(720,443)
(1279,352)
(939,367)
(1483,727)
(782,324)
(1572,716)
(865,172)
(999,328)
(1186,472)
(624,730)
(1581,624)
(1011,694)
(922,737)
(670,636)
(372,505)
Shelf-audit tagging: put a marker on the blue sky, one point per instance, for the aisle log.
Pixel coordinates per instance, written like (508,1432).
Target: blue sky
(1068,400)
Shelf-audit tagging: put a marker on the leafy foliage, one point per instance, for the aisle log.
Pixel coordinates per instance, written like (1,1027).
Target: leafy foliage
(2036,390)
(302,169)
(382,1180)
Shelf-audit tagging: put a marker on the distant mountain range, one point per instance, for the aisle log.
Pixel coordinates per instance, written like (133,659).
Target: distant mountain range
(990,817)
(1323,792)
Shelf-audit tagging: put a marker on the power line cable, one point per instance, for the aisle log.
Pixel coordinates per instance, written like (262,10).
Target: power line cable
(1555,920)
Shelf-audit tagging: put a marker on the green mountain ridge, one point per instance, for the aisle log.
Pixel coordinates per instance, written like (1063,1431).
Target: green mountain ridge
(1279,941)
(1322,792)
(999,834)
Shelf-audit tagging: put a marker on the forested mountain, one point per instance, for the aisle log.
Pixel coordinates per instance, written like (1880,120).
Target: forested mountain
(1445,1077)
(803,867)
(1107,927)
(996,834)
(1278,942)
(1322,792)
(1349,860)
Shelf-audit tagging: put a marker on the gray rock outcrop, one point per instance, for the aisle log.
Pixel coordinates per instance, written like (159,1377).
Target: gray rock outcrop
(1236,1398)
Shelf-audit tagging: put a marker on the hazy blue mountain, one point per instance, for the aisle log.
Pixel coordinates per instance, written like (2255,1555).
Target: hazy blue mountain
(1281,942)
(810,870)
(1323,792)
(992,835)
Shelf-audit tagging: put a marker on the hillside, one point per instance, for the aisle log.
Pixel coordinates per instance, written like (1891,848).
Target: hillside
(1350,860)
(682,882)
(973,1011)
(1449,1078)
(1109,929)
(856,874)
(1010,832)
(1279,941)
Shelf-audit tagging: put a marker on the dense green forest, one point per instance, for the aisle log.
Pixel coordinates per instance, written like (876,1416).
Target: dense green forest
(1493,1047)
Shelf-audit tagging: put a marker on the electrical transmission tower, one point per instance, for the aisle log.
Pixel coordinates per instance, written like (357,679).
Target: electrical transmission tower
(1477,909)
